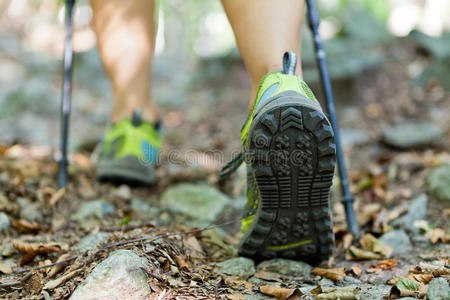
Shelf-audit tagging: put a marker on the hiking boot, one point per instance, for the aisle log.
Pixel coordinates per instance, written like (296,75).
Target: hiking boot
(130,151)
(290,154)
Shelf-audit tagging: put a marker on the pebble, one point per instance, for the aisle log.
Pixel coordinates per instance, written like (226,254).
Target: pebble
(29,211)
(353,137)
(398,240)
(286,267)
(438,289)
(143,208)
(97,208)
(417,210)
(198,201)
(117,277)
(438,182)
(92,241)
(412,134)
(4,221)
(237,266)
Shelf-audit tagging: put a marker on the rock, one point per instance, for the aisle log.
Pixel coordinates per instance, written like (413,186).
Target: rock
(199,201)
(438,289)
(123,192)
(143,208)
(286,267)
(29,211)
(348,280)
(238,266)
(375,292)
(97,208)
(412,134)
(438,182)
(92,241)
(417,210)
(398,240)
(353,137)
(117,277)
(4,221)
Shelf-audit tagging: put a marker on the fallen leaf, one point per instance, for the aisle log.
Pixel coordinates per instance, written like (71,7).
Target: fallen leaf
(30,250)
(356,270)
(429,268)
(422,278)
(333,293)
(372,244)
(360,254)
(5,268)
(25,226)
(407,284)
(347,240)
(55,269)
(236,297)
(388,264)
(269,276)
(182,264)
(57,282)
(439,234)
(237,283)
(333,274)
(281,293)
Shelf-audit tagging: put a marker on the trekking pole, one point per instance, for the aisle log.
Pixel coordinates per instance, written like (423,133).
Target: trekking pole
(65,101)
(313,20)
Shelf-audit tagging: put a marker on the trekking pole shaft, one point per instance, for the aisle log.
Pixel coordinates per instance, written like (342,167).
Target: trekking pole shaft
(313,20)
(67,88)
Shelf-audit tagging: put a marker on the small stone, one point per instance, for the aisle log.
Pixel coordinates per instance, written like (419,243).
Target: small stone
(239,266)
(29,211)
(96,208)
(118,277)
(4,221)
(375,292)
(438,289)
(198,201)
(348,280)
(438,182)
(175,283)
(325,282)
(123,192)
(353,137)
(143,208)
(286,267)
(412,134)
(398,240)
(92,241)
(417,210)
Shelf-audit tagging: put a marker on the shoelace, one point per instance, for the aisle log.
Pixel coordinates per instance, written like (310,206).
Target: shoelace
(231,166)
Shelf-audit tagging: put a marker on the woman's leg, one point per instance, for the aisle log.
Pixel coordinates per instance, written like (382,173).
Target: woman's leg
(264,30)
(126,36)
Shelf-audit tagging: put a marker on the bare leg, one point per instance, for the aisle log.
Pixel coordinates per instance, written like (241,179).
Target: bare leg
(125,34)
(264,30)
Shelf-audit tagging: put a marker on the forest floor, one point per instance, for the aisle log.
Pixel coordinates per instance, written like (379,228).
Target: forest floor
(128,242)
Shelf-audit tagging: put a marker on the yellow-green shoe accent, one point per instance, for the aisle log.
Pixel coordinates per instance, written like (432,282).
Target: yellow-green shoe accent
(130,151)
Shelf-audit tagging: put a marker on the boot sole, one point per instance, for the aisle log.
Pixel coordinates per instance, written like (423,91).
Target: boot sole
(128,169)
(291,152)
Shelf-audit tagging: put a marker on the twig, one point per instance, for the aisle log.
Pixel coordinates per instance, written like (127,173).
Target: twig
(17,282)
(132,241)
(159,278)
(126,227)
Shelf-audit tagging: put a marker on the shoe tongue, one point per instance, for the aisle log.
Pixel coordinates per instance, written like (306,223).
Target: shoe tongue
(136,120)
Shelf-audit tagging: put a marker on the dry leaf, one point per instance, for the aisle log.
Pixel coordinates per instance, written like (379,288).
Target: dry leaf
(237,283)
(372,244)
(30,250)
(344,293)
(55,269)
(439,234)
(356,270)
(57,196)
(422,278)
(57,282)
(269,276)
(25,226)
(430,269)
(347,240)
(333,274)
(182,264)
(357,253)
(5,268)
(281,293)
(388,264)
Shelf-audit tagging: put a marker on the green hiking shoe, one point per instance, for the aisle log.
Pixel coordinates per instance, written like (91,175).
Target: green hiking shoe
(290,154)
(130,151)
